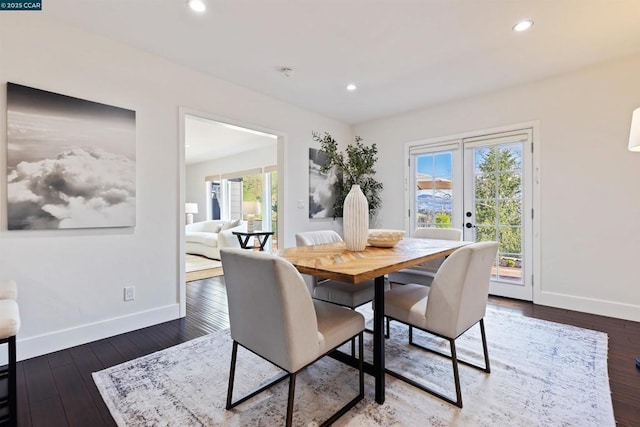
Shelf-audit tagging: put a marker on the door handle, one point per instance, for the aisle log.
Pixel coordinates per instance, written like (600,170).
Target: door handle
(469,225)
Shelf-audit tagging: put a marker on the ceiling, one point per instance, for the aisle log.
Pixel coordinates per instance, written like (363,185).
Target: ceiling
(402,54)
(208,140)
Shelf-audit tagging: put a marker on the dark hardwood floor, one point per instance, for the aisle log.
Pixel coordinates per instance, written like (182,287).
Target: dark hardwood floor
(57,389)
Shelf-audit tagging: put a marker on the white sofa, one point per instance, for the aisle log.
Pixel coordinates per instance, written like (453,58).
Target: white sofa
(207,237)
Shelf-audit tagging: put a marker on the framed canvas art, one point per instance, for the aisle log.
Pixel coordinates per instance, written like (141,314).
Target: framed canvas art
(323,187)
(70,162)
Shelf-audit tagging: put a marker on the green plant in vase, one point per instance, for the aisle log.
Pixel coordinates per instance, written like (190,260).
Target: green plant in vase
(357,164)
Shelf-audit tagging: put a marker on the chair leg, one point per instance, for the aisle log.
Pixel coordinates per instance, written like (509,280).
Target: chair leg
(485,368)
(388,334)
(292,392)
(456,375)
(360,395)
(232,373)
(484,347)
(12,389)
(353,347)
(292,385)
(361,364)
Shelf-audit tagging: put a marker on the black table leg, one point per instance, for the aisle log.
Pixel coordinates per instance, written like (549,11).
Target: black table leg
(263,241)
(378,338)
(243,242)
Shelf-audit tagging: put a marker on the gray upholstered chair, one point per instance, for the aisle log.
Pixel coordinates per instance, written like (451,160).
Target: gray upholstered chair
(272,314)
(333,291)
(455,302)
(424,273)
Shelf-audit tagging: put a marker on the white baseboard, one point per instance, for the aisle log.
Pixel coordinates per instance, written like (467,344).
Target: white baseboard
(590,305)
(66,338)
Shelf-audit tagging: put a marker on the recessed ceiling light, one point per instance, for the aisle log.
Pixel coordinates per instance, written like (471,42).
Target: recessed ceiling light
(197,5)
(523,25)
(351,87)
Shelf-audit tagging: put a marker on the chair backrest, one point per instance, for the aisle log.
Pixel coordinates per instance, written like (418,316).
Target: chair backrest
(320,237)
(270,309)
(438,233)
(460,289)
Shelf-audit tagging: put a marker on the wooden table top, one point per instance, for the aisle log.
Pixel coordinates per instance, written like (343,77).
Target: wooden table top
(334,261)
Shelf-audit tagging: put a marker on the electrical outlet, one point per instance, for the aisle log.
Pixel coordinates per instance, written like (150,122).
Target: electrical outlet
(129,293)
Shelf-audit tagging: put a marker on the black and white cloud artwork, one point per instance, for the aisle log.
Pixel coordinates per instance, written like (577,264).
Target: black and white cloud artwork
(70,162)
(323,187)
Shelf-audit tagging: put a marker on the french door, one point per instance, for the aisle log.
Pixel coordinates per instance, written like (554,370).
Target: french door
(482,185)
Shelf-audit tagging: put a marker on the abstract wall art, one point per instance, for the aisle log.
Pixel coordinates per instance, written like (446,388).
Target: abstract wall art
(70,162)
(323,187)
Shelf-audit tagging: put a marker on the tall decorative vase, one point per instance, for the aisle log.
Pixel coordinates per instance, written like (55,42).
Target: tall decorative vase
(355,214)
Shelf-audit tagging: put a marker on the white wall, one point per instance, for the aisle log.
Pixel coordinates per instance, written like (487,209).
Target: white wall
(71,281)
(589,182)
(195,186)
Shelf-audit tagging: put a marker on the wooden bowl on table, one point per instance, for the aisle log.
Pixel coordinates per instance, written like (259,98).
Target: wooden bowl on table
(384,238)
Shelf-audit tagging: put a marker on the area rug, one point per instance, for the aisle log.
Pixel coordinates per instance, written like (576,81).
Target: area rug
(543,374)
(199,267)
(195,263)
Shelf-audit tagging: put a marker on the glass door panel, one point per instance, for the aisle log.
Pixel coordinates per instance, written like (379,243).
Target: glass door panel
(434,189)
(495,207)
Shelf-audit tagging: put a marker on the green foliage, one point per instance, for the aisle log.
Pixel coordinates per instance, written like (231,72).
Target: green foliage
(252,190)
(498,203)
(357,164)
(443,220)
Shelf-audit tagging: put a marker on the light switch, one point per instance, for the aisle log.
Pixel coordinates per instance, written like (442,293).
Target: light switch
(300,204)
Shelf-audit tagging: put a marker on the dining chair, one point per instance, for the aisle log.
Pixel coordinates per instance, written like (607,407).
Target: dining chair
(272,314)
(455,302)
(424,273)
(334,291)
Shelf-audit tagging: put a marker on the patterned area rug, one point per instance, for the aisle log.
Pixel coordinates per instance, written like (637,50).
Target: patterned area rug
(543,374)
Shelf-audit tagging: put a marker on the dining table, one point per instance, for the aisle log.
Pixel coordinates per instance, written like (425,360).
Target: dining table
(334,261)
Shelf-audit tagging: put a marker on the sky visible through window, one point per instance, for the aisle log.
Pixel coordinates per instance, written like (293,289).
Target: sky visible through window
(437,165)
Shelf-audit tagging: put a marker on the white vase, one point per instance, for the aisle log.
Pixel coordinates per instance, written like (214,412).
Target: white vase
(355,219)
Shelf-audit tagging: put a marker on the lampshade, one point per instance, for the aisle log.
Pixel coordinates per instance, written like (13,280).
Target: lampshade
(634,135)
(190,208)
(251,208)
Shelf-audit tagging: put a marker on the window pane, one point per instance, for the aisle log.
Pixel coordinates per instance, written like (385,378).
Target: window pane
(510,212)
(486,233)
(433,178)
(486,212)
(509,185)
(485,186)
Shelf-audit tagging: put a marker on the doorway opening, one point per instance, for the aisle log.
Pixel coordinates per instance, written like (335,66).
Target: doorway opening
(230,172)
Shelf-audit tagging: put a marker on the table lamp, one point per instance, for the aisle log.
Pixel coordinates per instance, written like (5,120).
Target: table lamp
(251,209)
(190,209)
